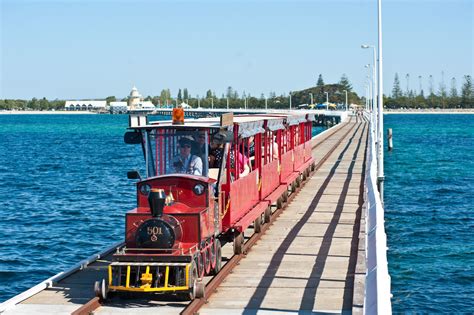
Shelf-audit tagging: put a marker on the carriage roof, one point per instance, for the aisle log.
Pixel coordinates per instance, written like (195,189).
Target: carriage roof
(249,125)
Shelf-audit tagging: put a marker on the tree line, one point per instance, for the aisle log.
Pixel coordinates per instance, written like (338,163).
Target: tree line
(210,99)
(441,98)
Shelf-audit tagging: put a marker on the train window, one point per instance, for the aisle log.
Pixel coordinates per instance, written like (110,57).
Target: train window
(171,151)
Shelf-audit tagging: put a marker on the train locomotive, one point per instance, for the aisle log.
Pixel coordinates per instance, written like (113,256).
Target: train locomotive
(206,181)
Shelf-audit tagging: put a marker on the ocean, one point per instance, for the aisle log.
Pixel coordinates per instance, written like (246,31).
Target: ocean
(429,212)
(64,193)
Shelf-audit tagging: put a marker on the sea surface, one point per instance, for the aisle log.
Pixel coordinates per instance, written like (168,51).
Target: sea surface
(64,193)
(429,213)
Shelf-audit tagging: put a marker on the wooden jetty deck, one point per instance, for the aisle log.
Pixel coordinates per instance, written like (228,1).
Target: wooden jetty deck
(305,262)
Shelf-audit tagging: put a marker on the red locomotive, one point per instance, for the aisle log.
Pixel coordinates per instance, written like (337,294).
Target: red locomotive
(207,180)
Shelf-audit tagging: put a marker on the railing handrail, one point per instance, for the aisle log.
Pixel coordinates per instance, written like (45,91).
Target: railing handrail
(377,298)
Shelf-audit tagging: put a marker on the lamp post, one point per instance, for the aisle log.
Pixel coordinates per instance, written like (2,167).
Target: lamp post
(346,99)
(327,100)
(380,170)
(374,76)
(266,103)
(227,103)
(311,95)
(374,88)
(290,100)
(212,102)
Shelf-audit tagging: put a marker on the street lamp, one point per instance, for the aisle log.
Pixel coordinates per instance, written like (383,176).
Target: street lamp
(290,100)
(311,94)
(374,77)
(327,100)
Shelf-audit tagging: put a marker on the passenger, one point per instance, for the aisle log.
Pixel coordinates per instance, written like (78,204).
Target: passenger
(185,162)
(244,168)
(217,151)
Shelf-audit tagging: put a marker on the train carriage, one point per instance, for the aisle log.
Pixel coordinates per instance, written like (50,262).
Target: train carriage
(189,204)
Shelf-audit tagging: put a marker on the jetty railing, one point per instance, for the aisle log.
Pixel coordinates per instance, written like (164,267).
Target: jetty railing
(377,299)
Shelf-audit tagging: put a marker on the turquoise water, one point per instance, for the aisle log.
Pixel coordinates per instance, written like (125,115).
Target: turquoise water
(429,201)
(64,193)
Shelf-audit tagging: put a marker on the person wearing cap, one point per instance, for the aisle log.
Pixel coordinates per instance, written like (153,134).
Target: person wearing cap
(217,151)
(185,162)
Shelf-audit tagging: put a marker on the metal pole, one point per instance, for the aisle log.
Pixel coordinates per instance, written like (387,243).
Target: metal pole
(266,103)
(374,78)
(380,170)
(212,102)
(227,103)
(346,99)
(290,100)
(327,100)
(311,94)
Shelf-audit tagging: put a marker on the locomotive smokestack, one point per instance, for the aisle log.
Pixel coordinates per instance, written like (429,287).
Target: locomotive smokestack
(156,199)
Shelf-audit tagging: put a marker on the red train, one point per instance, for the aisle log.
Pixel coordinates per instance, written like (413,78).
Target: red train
(207,180)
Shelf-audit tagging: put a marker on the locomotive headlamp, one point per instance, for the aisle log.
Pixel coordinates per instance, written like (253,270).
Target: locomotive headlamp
(199,189)
(156,199)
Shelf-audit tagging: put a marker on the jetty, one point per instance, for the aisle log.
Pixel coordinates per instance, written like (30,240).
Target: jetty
(324,250)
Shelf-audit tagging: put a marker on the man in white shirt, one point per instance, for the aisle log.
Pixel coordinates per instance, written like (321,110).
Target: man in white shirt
(185,162)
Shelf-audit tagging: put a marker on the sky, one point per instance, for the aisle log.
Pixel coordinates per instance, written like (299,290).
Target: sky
(94,49)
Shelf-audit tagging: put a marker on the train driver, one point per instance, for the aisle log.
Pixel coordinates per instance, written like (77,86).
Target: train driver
(185,162)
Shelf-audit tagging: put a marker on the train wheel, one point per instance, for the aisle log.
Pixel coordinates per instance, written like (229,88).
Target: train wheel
(193,276)
(200,265)
(293,187)
(257,224)
(285,196)
(206,257)
(212,254)
(306,174)
(267,215)
(298,182)
(218,257)
(238,243)
(101,289)
(200,290)
(313,167)
(279,203)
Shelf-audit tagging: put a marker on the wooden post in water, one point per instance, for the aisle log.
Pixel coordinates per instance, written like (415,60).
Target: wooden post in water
(389,138)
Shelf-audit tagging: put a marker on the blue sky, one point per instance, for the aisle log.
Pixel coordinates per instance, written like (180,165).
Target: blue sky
(93,49)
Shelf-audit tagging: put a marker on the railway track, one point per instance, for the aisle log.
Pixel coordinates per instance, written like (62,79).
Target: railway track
(93,306)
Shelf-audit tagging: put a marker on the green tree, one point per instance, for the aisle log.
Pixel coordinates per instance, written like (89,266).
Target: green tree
(467,93)
(320,81)
(209,94)
(43,104)
(109,99)
(345,83)
(180,97)
(185,94)
(396,90)
(165,95)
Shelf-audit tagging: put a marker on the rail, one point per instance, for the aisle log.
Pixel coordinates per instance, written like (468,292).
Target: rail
(377,279)
(50,281)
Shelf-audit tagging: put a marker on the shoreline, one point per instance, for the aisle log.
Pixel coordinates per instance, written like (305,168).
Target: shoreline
(45,112)
(386,111)
(431,111)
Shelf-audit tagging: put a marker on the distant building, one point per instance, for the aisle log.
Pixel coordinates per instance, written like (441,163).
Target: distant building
(85,105)
(136,103)
(118,107)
